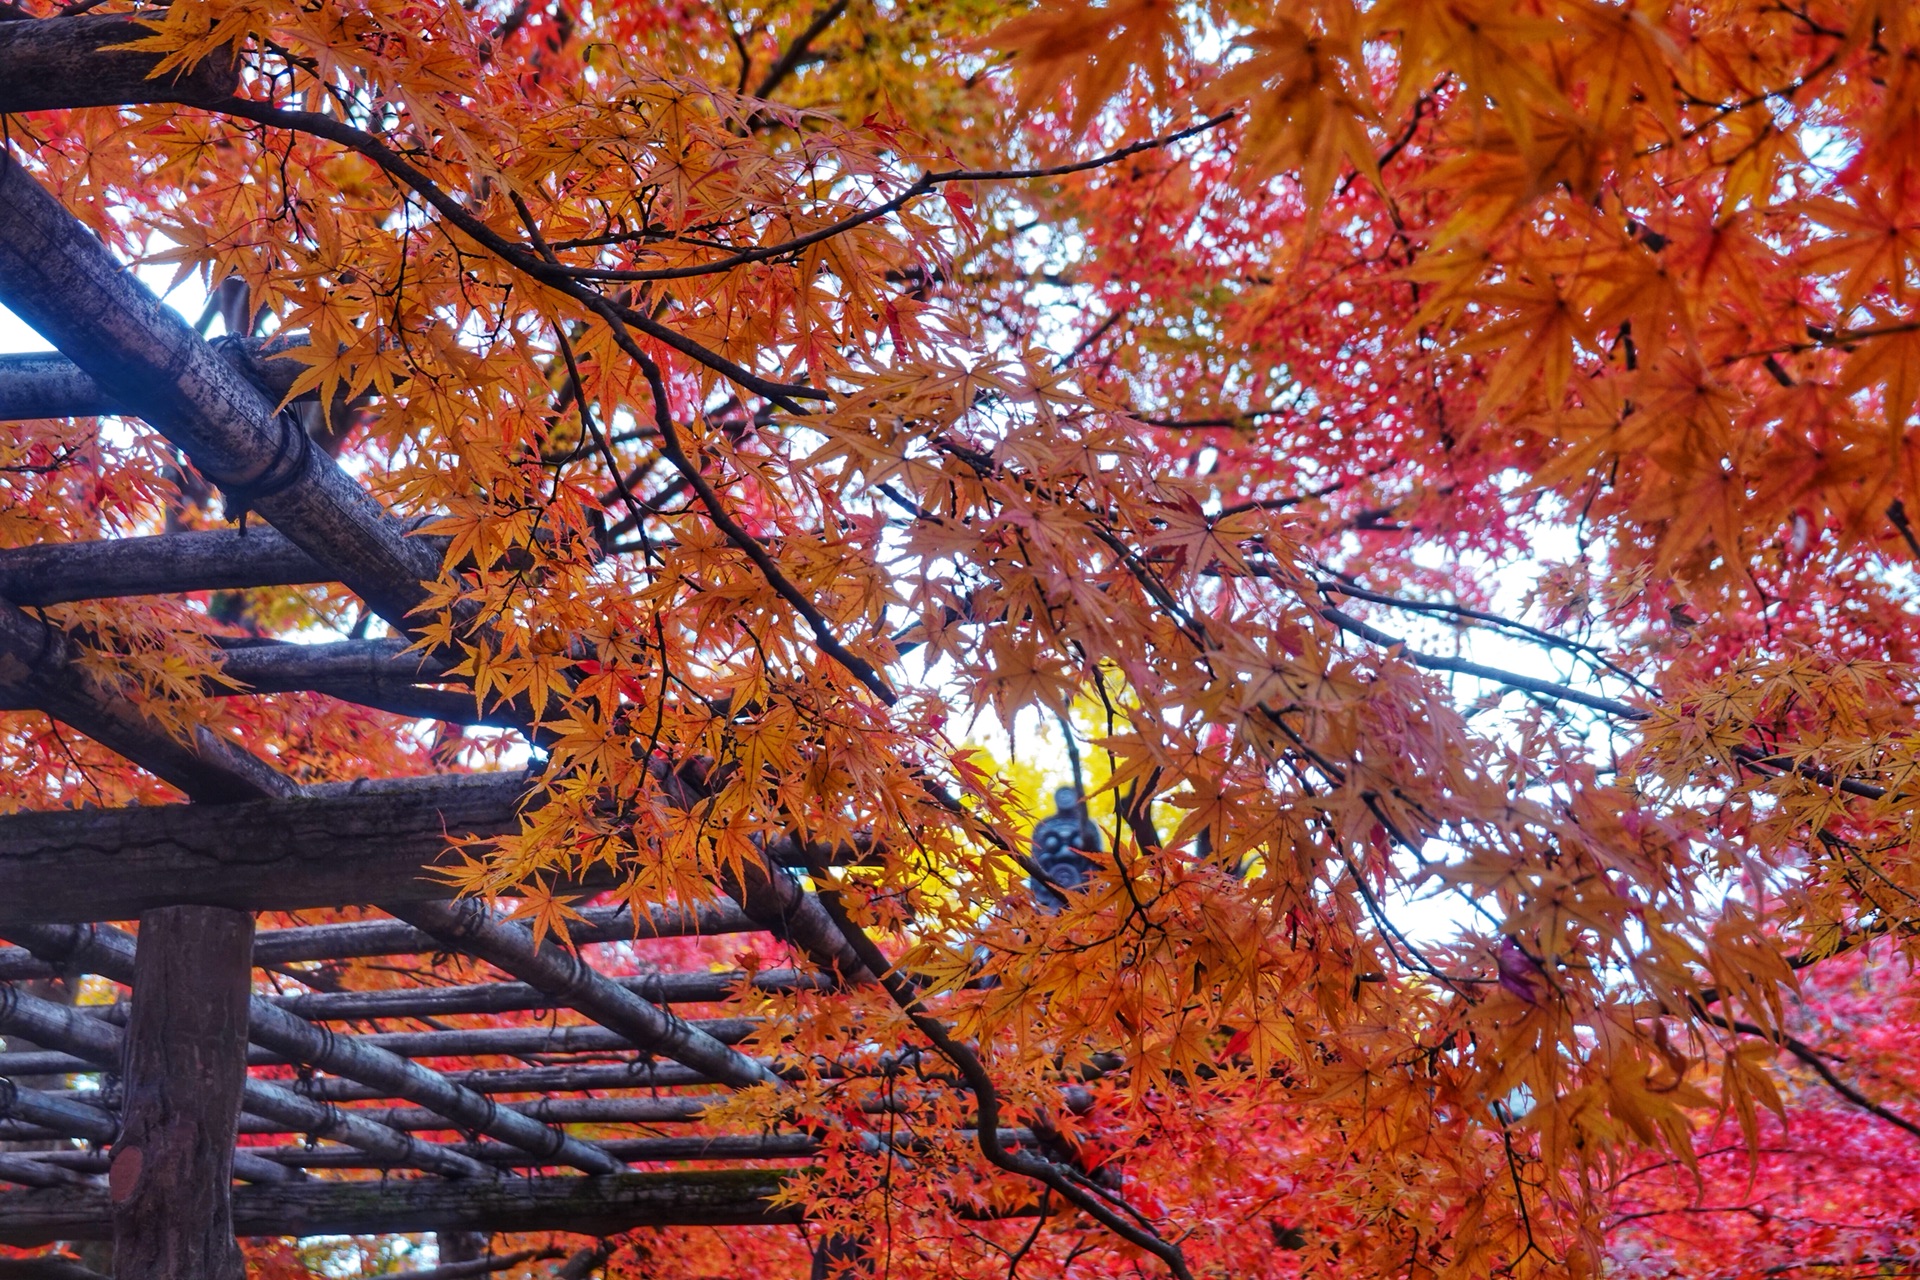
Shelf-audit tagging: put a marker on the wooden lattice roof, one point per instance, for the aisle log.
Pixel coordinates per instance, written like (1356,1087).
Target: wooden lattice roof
(589,1121)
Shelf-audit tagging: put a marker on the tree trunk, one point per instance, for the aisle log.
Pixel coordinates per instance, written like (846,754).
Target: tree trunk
(462,1246)
(170,1183)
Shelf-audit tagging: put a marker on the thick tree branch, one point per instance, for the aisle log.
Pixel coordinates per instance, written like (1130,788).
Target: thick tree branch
(49,64)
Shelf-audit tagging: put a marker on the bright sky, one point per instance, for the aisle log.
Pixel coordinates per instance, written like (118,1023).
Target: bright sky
(16,336)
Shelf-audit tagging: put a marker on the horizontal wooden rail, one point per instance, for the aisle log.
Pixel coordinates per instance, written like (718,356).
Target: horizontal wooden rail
(312,850)
(162,564)
(514,997)
(165,564)
(329,846)
(718,1147)
(635,1073)
(45,384)
(362,938)
(468,926)
(391,1206)
(361,1058)
(666,1109)
(39,669)
(29,1171)
(516,1042)
(369,673)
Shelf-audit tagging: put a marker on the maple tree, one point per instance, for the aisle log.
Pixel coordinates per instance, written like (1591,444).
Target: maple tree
(797,389)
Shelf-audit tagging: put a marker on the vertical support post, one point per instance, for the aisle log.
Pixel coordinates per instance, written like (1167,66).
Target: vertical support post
(171,1177)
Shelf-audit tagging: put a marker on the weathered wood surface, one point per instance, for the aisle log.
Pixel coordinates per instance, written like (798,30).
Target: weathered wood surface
(38,668)
(280,855)
(52,63)
(163,564)
(332,845)
(370,673)
(391,1206)
(186,1045)
(669,1109)
(482,1042)
(17,965)
(779,1146)
(635,1074)
(29,1171)
(55,1114)
(471,927)
(103,949)
(364,938)
(198,560)
(512,997)
(101,1043)
(45,384)
(57,276)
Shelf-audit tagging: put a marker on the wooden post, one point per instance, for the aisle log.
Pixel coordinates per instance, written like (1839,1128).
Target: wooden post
(171,1177)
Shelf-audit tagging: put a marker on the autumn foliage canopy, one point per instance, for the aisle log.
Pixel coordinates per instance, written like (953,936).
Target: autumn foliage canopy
(1443,463)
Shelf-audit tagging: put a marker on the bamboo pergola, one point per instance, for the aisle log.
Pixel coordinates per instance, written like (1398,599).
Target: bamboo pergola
(120,1122)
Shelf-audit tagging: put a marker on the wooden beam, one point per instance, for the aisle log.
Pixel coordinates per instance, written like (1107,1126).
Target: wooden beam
(362,938)
(753,1146)
(370,673)
(393,1206)
(45,384)
(53,63)
(28,1171)
(186,1069)
(313,850)
(57,276)
(56,1114)
(17,965)
(643,1109)
(513,997)
(329,846)
(639,1073)
(163,564)
(667,1109)
(486,1042)
(210,560)
(108,951)
(39,668)
(469,926)
(101,1043)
